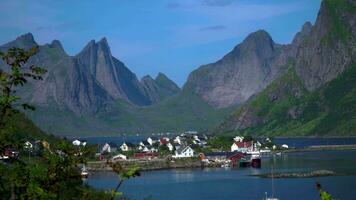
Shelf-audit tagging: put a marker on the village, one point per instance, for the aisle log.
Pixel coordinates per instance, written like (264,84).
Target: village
(188,149)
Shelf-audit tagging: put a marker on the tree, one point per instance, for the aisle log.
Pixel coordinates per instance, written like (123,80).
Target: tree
(16,73)
(54,173)
(123,174)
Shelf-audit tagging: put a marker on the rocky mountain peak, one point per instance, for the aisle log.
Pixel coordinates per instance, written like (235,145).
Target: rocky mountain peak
(57,45)
(330,48)
(146,78)
(260,36)
(258,39)
(304,33)
(25,41)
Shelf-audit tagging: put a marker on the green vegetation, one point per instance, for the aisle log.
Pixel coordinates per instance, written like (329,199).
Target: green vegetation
(285,108)
(338,28)
(220,143)
(184,111)
(49,168)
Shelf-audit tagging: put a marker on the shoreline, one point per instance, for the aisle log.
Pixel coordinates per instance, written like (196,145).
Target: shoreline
(165,164)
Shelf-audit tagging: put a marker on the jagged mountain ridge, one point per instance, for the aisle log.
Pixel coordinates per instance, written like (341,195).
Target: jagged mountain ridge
(83,83)
(317,94)
(159,88)
(330,47)
(245,71)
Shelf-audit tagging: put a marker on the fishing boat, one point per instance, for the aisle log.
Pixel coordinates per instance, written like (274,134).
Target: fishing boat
(84,174)
(251,161)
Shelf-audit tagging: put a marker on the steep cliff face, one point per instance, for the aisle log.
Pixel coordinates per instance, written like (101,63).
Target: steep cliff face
(331,46)
(317,94)
(243,72)
(160,88)
(86,82)
(110,73)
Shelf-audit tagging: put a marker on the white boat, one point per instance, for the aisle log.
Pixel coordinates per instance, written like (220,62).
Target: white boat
(253,153)
(226,165)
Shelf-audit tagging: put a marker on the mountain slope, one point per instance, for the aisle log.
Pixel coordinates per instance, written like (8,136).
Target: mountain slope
(243,72)
(317,94)
(286,108)
(180,112)
(160,88)
(330,48)
(111,74)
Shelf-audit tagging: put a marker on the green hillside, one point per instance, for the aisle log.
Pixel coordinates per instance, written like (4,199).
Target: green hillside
(285,108)
(184,111)
(18,128)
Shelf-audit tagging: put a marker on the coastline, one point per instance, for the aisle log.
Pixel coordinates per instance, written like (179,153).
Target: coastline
(163,164)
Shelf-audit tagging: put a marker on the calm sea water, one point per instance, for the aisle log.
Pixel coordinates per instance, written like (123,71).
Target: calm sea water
(238,184)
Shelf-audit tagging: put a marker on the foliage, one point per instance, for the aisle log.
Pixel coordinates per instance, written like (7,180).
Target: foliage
(54,172)
(184,111)
(221,142)
(329,110)
(15,76)
(338,28)
(124,174)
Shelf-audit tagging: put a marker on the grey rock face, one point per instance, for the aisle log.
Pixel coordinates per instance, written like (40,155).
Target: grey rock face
(243,72)
(25,41)
(331,46)
(303,34)
(160,88)
(83,83)
(110,73)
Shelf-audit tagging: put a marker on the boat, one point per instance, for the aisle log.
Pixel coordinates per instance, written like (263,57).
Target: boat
(225,165)
(251,161)
(84,174)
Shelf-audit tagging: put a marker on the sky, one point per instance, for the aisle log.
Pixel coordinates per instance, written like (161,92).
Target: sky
(150,36)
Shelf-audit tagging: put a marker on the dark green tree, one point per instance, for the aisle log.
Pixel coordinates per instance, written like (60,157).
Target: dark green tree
(15,74)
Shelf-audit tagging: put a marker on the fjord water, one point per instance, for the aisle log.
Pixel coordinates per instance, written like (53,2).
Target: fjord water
(238,183)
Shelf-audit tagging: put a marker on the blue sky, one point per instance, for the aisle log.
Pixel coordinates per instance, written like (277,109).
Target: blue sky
(151,36)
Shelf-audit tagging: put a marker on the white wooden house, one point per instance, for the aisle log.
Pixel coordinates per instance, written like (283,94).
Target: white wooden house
(242,146)
(126,146)
(184,152)
(106,148)
(170,146)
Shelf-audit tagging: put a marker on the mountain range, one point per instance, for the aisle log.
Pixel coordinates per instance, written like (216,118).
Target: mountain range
(260,87)
(317,94)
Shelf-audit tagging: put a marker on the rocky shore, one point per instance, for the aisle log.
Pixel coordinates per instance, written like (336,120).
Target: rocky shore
(316,173)
(154,164)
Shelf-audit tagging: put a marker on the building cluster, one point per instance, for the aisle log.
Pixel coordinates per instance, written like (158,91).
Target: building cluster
(180,146)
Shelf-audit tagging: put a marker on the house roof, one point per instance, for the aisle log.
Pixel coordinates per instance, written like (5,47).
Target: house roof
(182,149)
(129,144)
(244,144)
(163,141)
(146,143)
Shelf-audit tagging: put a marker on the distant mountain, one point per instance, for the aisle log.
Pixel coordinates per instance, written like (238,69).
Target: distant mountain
(160,88)
(86,82)
(111,74)
(243,72)
(316,96)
